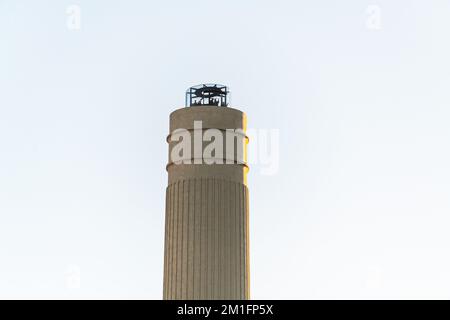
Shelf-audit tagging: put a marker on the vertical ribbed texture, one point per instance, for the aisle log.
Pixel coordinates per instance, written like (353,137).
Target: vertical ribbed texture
(206,240)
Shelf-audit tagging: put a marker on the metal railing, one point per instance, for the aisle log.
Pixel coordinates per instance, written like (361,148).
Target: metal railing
(207,95)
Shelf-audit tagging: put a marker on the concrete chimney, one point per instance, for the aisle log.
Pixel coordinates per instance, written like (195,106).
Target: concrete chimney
(206,253)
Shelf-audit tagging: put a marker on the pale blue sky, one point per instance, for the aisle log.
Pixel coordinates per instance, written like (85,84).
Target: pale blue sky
(359,207)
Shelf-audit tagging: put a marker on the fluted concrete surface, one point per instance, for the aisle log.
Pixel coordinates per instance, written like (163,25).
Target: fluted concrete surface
(206,232)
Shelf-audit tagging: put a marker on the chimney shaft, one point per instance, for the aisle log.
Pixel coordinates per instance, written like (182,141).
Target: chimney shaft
(206,254)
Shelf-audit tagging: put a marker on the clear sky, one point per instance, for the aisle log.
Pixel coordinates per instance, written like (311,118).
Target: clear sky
(359,91)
